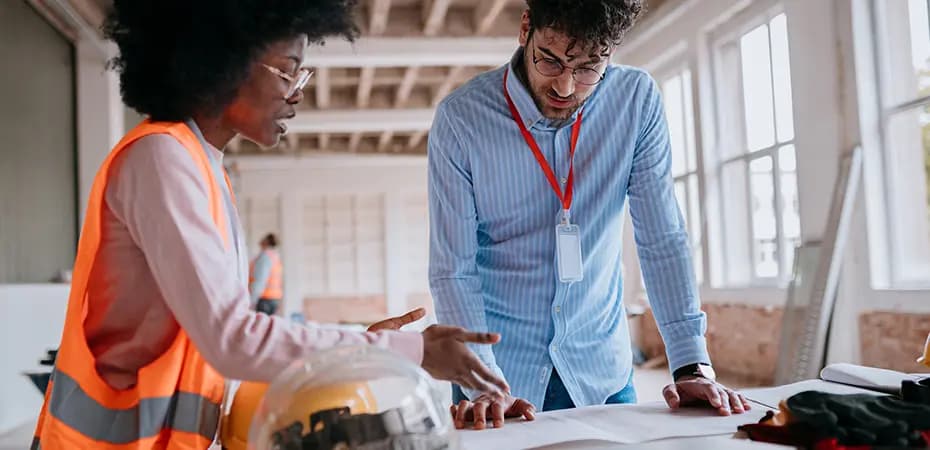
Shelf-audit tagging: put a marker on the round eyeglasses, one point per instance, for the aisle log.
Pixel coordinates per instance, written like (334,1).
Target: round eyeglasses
(297,81)
(549,67)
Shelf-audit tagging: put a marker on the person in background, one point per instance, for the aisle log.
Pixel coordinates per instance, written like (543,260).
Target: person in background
(158,314)
(530,167)
(265,277)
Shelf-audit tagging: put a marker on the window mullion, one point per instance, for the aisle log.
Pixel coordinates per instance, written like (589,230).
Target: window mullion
(776,167)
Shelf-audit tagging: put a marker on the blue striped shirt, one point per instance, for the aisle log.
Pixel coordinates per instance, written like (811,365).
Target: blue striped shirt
(492,244)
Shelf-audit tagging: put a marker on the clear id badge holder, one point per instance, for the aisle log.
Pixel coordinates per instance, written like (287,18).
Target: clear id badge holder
(568,250)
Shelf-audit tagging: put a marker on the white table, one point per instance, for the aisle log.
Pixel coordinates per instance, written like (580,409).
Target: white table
(647,426)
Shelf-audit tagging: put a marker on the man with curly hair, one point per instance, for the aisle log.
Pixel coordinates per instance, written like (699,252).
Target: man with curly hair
(158,313)
(529,169)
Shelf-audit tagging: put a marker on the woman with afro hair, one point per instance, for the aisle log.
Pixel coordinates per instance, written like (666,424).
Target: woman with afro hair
(158,314)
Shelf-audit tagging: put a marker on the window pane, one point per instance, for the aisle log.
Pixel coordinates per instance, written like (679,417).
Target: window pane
(729,101)
(781,71)
(736,235)
(920,37)
(905,40)
(757,89)
(764,235)
(790,214)
(908,174)
(672,96)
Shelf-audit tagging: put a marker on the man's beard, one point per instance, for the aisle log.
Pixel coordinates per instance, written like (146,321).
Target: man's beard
(556,114)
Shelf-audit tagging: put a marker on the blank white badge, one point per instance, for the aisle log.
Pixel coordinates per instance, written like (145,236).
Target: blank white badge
(568,253)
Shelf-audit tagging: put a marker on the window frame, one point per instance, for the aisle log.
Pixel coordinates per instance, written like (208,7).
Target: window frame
(729,34)
(889,264)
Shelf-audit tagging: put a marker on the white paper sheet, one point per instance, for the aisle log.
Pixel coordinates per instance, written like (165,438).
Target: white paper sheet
(772,396)
(623,424)
(872,378)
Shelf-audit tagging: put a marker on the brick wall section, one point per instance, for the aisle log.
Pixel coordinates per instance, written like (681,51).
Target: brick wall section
(742,340)
(893,340)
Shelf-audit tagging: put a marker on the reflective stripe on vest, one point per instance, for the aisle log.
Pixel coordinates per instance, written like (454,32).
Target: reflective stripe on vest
(185,411)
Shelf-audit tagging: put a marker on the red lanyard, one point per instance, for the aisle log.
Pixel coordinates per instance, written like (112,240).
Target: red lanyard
(566,199)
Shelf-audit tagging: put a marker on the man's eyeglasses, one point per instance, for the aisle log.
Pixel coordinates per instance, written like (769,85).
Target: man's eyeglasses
(297,82)
(549,67)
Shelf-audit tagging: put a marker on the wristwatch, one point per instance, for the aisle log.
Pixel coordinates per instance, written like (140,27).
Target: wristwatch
(696,370)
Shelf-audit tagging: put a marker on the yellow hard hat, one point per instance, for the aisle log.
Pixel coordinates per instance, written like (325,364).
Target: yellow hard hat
(346,398)
(235,428)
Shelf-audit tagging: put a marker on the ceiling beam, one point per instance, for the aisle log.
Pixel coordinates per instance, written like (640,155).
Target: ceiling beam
(354,141)
(322,88)
(385,140)
(386,80)
(406,52)
(293,141)
(378,16)
(415,139)
(406,86)
(361,121)
(364,86)
(434,15)
(486,13)
(90,11)
(446,87)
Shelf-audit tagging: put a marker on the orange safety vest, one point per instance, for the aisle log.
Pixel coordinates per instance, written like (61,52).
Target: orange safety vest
(274,289)
(176,402)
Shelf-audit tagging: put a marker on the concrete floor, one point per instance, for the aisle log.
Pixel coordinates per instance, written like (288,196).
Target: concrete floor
(649,384)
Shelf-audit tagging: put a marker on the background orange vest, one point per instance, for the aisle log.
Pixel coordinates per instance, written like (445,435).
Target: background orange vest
(176,402)
(274,289)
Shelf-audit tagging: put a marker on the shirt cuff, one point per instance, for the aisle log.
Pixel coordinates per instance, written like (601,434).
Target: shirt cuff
(408,344)
(688,350)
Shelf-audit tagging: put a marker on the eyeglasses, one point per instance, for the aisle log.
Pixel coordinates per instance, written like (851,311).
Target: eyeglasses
(549,67)
(297,81)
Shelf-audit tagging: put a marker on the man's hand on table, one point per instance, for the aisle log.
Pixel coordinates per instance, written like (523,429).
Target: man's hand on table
(495,407)
(690,391)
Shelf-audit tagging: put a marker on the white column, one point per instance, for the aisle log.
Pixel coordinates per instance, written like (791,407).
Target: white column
(290,210)
(819,74)
(395,254)
(818,113)
(99,114)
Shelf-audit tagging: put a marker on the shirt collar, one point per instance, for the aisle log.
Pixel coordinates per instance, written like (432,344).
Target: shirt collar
(523,100)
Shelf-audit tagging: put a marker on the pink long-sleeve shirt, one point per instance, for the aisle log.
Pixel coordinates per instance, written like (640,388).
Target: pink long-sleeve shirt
(162,266)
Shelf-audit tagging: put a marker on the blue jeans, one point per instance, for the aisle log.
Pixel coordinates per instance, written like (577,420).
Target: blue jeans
(557,396)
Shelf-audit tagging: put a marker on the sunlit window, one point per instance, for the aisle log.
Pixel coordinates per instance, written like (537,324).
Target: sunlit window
(760,215)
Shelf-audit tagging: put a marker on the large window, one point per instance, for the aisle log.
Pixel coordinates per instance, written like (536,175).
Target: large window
(760,220)
(679,110)
(903,53)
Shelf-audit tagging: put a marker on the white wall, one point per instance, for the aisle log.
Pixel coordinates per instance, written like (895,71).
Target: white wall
(31,320)
(396,183)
